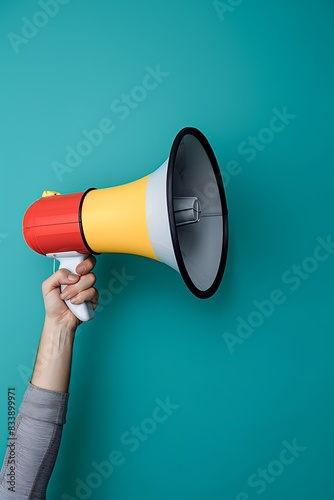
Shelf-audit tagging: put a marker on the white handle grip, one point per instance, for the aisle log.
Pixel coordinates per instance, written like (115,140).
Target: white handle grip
(70,260)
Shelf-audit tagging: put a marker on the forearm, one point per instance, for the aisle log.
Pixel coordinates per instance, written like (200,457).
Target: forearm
(52,368)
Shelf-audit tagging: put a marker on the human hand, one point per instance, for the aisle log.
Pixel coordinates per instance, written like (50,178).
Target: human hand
(79,289)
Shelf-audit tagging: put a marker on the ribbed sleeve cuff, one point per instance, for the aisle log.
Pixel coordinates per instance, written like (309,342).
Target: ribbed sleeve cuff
(45,405)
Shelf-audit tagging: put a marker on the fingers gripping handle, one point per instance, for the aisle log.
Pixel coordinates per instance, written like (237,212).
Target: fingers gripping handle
(70,260)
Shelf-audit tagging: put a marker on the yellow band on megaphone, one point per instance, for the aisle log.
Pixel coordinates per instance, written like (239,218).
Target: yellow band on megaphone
(114,220)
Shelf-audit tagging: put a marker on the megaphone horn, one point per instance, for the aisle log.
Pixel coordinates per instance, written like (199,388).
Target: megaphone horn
(170,216)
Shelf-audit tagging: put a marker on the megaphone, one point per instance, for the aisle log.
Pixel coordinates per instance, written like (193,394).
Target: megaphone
(176,215)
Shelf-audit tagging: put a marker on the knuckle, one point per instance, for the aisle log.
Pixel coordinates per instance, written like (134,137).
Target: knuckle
(89,280)
(90,261)
(62,273)
(70,289)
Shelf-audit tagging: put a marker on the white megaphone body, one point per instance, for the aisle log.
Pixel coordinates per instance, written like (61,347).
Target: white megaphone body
(176,215)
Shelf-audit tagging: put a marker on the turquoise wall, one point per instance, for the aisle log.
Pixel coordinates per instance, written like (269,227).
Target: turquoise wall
(244,381)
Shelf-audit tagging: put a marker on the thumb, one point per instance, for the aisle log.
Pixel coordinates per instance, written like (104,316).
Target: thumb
(61,277)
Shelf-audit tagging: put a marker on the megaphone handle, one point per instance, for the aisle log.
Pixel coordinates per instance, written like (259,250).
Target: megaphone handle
(70,260)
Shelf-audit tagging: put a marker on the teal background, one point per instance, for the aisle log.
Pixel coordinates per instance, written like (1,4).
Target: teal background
(153,339)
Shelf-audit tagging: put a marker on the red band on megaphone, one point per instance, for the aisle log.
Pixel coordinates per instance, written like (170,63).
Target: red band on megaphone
(53,224)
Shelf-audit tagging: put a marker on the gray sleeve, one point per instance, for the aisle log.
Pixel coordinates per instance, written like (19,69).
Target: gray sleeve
(33,448)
